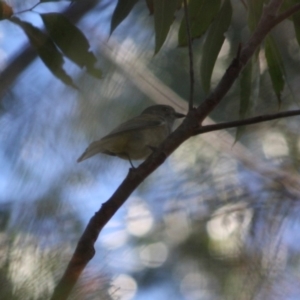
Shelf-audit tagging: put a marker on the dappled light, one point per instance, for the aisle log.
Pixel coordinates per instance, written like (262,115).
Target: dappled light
(219,219)
(139,218)
(124,287)
(154,255)
(281,148)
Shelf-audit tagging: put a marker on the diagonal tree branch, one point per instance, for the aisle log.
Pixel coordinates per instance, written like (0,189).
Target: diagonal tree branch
(190,126)
(151,86)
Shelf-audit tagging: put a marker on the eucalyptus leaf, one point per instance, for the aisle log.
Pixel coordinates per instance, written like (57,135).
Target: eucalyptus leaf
(213,43)
(121,11)
(296,22)
(249,82)
(163,18)
(255,8)
(71,41)
(150,6)
(46,49)
(201,14)
(275,66)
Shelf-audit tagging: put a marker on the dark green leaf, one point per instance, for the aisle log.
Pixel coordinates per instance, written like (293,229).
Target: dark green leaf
(295,18)
(255,8)
(46,49)
(275,65)
(245,97)
(71,41)
(122,10)
(5,10)
(163,18)
(179,4)
(245,89)
(150,6)
(213,43)
(249,90)
(296,21)
(201,13)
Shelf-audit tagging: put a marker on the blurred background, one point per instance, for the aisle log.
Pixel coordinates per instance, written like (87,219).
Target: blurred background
(219,220)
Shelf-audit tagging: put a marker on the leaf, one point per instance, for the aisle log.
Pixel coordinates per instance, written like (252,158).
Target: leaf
(121,11)
(213,43)
(163,18)
(249,90)
(255,8)
(245,97)
(201,14)
(296,21)
(46,49)
(71,41)
(179,4)
(245,89)
(5,11)
(295,18)
(150,6)
(275,65)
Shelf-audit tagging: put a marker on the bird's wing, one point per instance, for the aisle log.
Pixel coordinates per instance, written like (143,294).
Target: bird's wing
(137,123)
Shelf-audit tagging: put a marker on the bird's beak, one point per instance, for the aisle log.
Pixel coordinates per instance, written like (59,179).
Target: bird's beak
(179,115)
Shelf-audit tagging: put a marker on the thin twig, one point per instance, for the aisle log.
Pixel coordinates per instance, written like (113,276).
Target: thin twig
(273,7)
(28,9)
(249,121)
(189,37)
(289,12)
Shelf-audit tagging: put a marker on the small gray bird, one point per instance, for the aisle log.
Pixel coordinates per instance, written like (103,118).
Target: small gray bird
(138,137)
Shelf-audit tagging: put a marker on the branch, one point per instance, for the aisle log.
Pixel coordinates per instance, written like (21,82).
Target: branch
(289,12)
(85,251)
(85,248)
(249,121)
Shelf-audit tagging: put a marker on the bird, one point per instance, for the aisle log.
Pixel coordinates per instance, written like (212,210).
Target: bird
(138,137)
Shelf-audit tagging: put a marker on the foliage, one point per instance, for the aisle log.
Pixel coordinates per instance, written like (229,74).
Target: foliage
(62,36)
(190,199)
(209,20)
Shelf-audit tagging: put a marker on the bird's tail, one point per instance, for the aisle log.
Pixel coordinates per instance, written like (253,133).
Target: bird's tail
(91,150)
